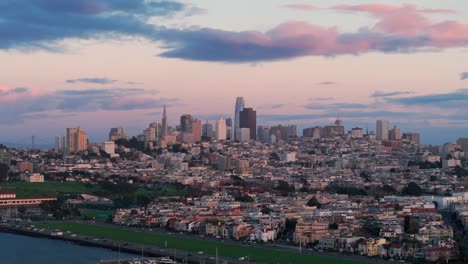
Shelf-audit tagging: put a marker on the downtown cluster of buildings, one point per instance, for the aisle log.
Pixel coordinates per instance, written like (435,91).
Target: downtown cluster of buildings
(243,128)
(329,189)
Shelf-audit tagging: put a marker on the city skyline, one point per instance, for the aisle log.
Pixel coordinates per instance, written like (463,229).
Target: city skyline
(294,68)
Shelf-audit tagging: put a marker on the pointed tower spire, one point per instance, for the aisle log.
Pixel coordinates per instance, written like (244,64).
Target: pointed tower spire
(164,123)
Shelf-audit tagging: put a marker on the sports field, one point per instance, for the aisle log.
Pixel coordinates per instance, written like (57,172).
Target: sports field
(228,250)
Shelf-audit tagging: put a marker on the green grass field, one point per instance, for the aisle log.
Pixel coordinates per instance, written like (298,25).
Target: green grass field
(39,189)
(228,250)
(95,214)
(169,190)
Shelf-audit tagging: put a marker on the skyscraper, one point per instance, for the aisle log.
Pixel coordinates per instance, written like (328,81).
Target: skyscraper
(76,140)
(207,130)
(248,119)
(263,134)
(60,144)
(186,123)
(394,133)
(196,129)
(239,106)
(414,138)
(382,129)
(229,128)
(116,133)
(220,129)
(164,123)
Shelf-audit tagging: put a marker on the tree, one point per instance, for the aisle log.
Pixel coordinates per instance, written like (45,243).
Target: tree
(413,189)
(411,225)
(387,189)
(314,202)
(333,226)
(4,169)
(290,224)
(284,186)
(266,210)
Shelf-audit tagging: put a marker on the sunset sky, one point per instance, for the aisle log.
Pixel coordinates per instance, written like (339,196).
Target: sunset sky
(106,63)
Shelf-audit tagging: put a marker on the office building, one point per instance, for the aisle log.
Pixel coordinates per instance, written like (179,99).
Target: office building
(414,138)
(248,119)
(60,144)
(207,130)
(229,128)
(76,140)
(463,142)
(240,104)
(284,133)
(382,129)
(263,134)
(394,133)
(221,129)
(243,134)
(108,147)
(312,132)
(357,132)
(186,123)
(116,133)
(229,122)
(197,130)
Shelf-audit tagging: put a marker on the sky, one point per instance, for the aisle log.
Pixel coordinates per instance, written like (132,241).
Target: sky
(99,64)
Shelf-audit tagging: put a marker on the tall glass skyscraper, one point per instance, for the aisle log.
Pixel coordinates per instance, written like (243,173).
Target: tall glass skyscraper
(239,106)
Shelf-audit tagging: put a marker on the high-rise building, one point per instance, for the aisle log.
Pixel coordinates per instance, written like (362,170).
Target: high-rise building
(186,123)
(76,140)
(312,132)
(240,104)
(220,129)
(196,130)
(382,129)
(414,138)
(394,133)
(117,133)
(357,132)
(150,135)
(463,142)
(243,134)
(263,134)
(284,133)
(207,130)
(229,129)
(229,122)
(164,131)
(248,119)
(60,144)
(108,147)
(157,129)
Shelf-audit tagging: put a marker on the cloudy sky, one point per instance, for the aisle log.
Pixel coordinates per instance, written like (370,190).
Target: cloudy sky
(105,63)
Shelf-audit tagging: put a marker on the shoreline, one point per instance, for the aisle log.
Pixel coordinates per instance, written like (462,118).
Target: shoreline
(88,241)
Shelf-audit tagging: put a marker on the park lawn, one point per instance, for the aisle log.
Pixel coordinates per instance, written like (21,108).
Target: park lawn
(168,190)
(95,214)
(228,250)
(50,189)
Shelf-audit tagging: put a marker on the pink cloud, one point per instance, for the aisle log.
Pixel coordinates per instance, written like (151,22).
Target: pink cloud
(306,7)
(398,28)
(380,9)
(438,11)
(375,9)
